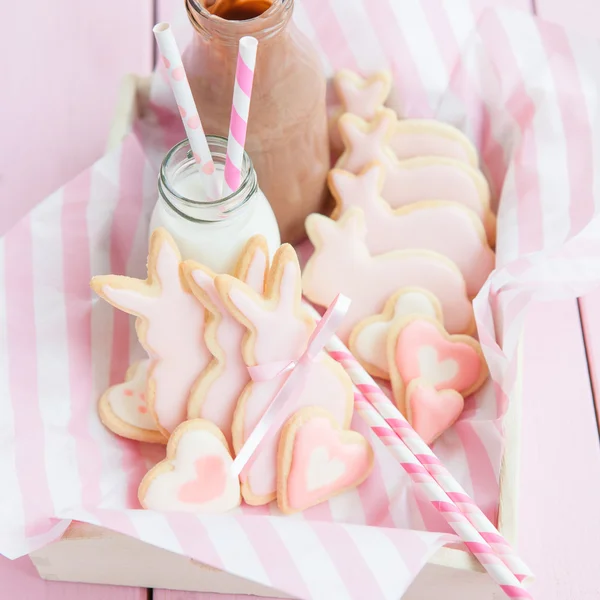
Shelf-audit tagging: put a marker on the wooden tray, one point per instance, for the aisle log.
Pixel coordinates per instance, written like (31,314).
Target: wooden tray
(90,554)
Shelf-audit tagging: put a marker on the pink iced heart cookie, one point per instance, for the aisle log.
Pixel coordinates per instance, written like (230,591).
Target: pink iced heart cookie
(124,410)
(420,348)
(196,476)
(431,411)
(318,460)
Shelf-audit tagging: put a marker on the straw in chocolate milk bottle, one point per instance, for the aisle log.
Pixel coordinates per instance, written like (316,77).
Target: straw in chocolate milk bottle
(287,133)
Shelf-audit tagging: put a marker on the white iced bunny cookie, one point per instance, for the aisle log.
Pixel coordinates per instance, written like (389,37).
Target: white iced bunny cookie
(196,476)
(278,332)
(215,395)
(448,228)
(368,340)
(170,327)
(342,264)
(415,179)
(124,410)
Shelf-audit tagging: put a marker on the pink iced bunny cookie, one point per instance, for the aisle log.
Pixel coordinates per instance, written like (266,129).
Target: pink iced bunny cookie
(363,97)
(196,476)
(318,460)
(420,348)
(428,137)
(216,393)
(448,228)
(170,327)
(124,410)
(342,264)
(430,411)
(416,179)
(368,341)
(278,331)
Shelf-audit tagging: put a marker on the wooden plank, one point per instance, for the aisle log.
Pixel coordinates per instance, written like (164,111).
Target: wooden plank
(560,466)
(62,63)
(19,580)
(582,16)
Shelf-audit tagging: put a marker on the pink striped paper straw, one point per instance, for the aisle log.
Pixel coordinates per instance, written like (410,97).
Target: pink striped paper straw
(187,108)
(426,471)
(238,126)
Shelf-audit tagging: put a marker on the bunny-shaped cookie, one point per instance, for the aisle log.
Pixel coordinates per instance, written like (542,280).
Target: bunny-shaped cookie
(448,228)
(415,179)
(216,393)
(170,326)
(342,264)
(279,330)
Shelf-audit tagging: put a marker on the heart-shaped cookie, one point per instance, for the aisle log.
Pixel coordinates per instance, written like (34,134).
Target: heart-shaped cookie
(431,411)
(318,460)
(196,476)
(123,408)
(420,348)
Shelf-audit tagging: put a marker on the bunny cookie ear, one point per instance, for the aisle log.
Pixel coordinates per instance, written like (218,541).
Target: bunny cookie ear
(284,284)
(253,265)
(201,281)
(356,190)
(320,229)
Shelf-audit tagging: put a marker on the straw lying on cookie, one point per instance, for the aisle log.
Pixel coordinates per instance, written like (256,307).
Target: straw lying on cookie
(468,521)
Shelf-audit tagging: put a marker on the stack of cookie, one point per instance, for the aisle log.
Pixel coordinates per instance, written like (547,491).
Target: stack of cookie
(202,332)
(410,241)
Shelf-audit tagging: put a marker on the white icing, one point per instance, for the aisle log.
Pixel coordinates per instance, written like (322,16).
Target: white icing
(433,370)
(127,407)
(322,470)
(162,493)
(371,342)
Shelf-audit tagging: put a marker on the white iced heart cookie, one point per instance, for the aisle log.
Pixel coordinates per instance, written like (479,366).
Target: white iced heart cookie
(196,476)
(368,341)
(124,410)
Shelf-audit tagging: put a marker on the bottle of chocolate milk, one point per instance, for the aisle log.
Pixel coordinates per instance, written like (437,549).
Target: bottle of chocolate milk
(287,130)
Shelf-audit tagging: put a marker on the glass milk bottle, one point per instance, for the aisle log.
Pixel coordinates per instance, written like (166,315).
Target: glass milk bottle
(211,233)
(287,128)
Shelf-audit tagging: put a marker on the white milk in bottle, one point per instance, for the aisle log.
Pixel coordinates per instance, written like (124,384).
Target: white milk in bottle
(211,233)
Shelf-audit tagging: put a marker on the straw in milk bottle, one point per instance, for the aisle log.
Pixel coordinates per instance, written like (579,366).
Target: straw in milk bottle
(209,197)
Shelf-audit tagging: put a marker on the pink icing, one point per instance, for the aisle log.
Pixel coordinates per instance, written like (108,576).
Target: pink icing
(174,336)
(432,412)
(210,482)
(446,228)
(342,264)
(322,464)
(221,394)
(422,352)
(282,335)
(412,180)
(411,145)
(362,98)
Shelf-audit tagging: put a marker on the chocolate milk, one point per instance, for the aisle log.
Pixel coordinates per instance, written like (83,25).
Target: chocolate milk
(287,130)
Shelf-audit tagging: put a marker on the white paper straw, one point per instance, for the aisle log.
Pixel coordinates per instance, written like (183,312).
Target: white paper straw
(187,108)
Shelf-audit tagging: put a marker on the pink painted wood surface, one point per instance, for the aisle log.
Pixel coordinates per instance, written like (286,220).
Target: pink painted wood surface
(61,64)
(560,459)
(19,581)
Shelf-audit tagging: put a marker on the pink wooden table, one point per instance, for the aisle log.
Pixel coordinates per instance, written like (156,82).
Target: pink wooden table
(74,54)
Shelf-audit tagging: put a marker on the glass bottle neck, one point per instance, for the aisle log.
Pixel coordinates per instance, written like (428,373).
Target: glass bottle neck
(265,26)
(180,184)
